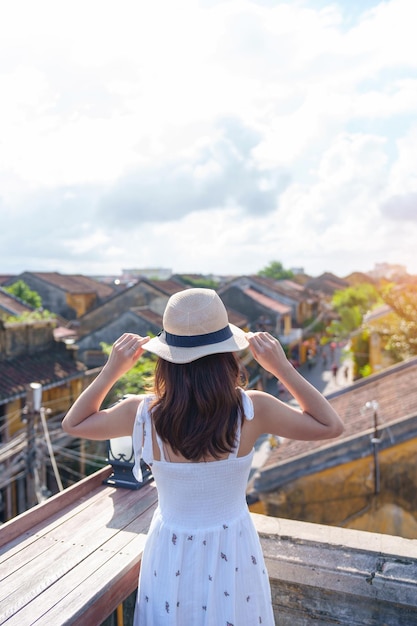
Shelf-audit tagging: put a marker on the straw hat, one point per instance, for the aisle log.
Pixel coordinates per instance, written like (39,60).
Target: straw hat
(195,324)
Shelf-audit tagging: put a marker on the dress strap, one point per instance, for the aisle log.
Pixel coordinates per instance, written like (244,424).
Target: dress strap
(142,437)
(249,413)
(248,409)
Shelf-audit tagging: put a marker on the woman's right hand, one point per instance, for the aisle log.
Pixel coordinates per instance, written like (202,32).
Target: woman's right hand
(124,354)
(315,419)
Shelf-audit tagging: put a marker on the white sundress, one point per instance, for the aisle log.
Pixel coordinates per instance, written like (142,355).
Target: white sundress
(202,564)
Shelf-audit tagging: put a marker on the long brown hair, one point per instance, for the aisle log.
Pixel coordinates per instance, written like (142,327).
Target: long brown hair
(198,404)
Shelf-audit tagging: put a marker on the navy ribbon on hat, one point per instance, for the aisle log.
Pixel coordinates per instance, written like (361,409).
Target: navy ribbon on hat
(193,341)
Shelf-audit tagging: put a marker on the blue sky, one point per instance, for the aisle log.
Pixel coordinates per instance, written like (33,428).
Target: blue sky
(207,136)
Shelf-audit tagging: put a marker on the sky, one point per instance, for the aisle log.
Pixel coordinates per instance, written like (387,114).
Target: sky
(207,136)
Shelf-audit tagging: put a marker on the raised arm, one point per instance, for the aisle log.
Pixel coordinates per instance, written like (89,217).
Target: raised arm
(316,419)
(85,418)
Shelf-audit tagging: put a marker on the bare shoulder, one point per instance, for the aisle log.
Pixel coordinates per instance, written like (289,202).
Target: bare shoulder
(126,409)
(129,402)
(261,399)
(265,408)
(133,400)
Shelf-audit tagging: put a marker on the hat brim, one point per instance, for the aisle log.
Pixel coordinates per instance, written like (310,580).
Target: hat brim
(174,354)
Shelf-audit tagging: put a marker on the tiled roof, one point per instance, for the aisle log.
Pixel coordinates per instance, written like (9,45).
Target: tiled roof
(5,278)
(10,305)
(394,390)
(358,278)
(268,302)
(147,314)
(290,284)
(286,288)
(75,283)
(237,318)
(327,283)
(50,368)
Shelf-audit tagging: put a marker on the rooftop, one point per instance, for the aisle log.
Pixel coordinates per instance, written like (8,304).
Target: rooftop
(268,302)
(49,367)
(75,283)
(11,305)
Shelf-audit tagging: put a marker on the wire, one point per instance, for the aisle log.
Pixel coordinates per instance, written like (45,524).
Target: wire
(11,419)
(50,450)
(75,456)
(6,483)
(72,471)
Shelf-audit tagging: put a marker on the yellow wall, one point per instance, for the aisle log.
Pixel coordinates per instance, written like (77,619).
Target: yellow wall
(257,507)
(287,324)
(345,495)
(57,399)
(81,303)
(13,417)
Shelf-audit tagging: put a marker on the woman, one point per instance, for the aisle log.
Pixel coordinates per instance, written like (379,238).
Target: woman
(202,564)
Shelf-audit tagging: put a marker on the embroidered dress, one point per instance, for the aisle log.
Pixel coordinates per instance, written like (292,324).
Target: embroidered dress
(202,564)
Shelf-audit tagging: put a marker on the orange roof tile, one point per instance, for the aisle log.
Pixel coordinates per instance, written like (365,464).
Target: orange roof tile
(266,301)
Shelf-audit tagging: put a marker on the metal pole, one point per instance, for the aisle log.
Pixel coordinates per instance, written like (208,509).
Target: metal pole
(30,450)
(32,410)
(119,615)
(375,443)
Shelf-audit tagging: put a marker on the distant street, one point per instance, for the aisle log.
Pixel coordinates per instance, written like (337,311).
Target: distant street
(322,377)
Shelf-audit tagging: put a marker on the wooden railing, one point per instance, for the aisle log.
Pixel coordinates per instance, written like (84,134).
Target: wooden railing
(76,557)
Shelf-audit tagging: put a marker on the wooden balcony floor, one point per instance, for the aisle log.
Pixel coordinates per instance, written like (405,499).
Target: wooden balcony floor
(86,542)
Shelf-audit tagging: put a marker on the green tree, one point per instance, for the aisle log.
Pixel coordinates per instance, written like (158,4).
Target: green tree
(31,316)
(21,290)
(275,270)
(360,353)
(400,327)
(349,319)
(351,304)
(205,283)
(363,297)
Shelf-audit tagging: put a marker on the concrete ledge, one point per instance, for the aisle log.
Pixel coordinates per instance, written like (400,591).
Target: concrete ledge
(326,575)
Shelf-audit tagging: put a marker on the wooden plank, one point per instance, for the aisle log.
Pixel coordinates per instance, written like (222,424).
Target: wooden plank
(66,516)
(67,551)
(22,543)
(110,582)
(95,612)
(99,583)
(22,524)
(56,548)
(71,544)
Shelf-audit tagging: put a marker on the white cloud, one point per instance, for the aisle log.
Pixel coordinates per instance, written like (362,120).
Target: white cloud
(207,136)
(403,176)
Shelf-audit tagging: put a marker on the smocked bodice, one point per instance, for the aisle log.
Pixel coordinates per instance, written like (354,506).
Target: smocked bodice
(203,492)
